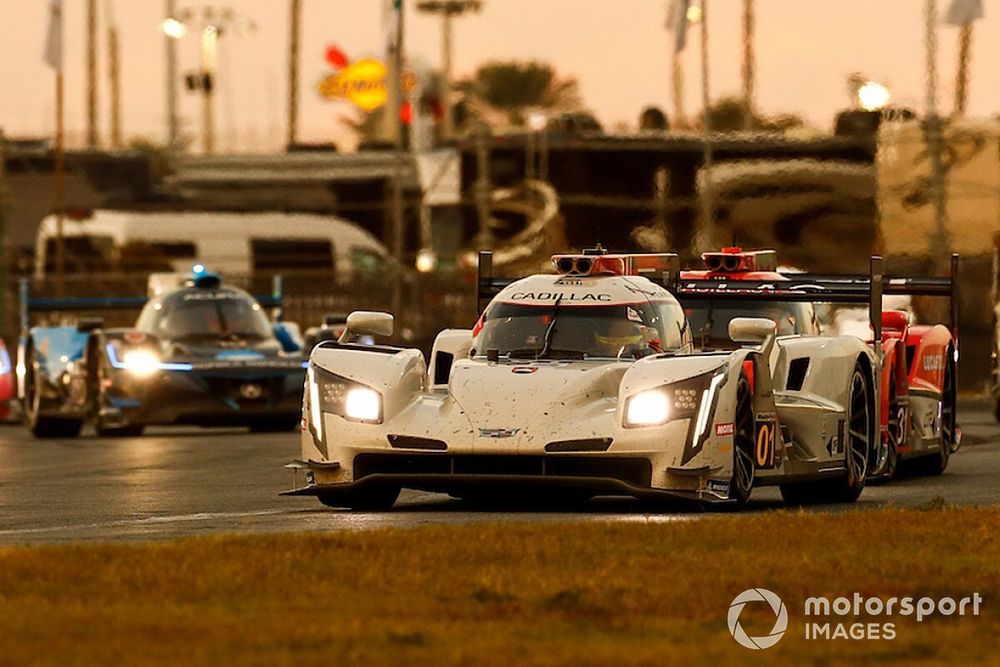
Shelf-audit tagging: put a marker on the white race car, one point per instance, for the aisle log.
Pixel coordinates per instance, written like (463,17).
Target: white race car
(586,383)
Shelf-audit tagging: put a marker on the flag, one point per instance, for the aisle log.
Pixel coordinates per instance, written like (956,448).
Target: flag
(53,55)
(678,22)
(963,12)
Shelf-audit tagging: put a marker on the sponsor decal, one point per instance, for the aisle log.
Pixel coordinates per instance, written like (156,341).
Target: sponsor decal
(933,362)
(765,438)
(725,428)
(633,314)
(135,337)
(719,486)
(498,432)
(562,296)
(523,370)
(780,618)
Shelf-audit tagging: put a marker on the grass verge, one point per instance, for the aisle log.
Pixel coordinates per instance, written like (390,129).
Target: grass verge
(504,594)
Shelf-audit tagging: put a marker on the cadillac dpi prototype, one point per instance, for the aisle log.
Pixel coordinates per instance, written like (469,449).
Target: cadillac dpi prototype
(587,382)
(918,362)
(200,353)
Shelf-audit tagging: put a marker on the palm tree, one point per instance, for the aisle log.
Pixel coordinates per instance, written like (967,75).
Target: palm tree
(503,93)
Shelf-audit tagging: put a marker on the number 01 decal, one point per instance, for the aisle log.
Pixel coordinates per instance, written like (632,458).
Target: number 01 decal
(764,452)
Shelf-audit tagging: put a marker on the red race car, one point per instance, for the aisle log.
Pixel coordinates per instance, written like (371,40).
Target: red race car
(918,371)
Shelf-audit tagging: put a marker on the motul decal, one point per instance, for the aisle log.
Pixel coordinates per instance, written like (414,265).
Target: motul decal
(726,428)
(523,370)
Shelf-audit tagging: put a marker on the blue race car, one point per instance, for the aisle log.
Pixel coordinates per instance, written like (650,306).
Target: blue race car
(202,353)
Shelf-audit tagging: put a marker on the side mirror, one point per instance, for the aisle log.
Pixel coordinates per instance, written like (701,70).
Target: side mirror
(367,322)
(751,329)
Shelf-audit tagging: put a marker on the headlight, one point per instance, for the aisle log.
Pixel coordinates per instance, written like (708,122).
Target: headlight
(141,362)
(680,400)
(647,408)
(344,397)
(363,404)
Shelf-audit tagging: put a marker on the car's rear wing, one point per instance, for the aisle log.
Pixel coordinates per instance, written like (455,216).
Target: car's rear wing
(799,287)
(946,287)
(30,304)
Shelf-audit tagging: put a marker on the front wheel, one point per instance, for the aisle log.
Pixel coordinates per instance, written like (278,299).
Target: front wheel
(741,484)
(43,426)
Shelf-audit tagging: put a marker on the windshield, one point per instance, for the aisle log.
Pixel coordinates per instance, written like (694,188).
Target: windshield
(709,320)
(205,315)
(580,332)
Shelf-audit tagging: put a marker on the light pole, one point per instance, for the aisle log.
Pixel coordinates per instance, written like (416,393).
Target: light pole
(172,30)
(447,9)
(213,24)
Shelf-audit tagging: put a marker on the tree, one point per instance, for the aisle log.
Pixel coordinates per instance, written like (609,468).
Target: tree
(504,92)
(729,114)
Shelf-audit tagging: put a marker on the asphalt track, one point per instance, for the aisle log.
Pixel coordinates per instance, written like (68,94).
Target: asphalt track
(176,482)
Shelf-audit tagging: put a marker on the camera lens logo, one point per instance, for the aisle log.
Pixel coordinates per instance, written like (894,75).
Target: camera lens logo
(780,623)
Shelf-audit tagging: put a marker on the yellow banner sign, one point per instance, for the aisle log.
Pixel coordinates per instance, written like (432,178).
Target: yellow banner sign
(363,83)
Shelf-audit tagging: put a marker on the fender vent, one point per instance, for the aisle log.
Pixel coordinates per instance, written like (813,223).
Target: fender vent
(442,367)
(412,442)
(797,370)
(588,445)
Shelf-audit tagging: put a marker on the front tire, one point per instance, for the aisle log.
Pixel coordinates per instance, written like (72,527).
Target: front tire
(43,426)
(744,466)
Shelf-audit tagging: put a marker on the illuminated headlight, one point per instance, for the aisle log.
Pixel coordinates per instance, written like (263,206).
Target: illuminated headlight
(363,404)
(332,393)
(141,362)
(692,398)
(647,408)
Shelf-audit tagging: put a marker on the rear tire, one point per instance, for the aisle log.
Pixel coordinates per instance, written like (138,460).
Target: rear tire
(43,426)
(370,499)
(860,435)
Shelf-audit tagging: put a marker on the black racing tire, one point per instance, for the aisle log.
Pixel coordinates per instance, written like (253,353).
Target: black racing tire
(43,426)
(744,466)
(370,499)
(275,425)
(861,432)
(97,374)
(937,463)
(996,409)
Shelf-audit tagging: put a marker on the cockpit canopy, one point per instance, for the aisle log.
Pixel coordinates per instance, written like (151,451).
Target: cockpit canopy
(574,331)
(195,313)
